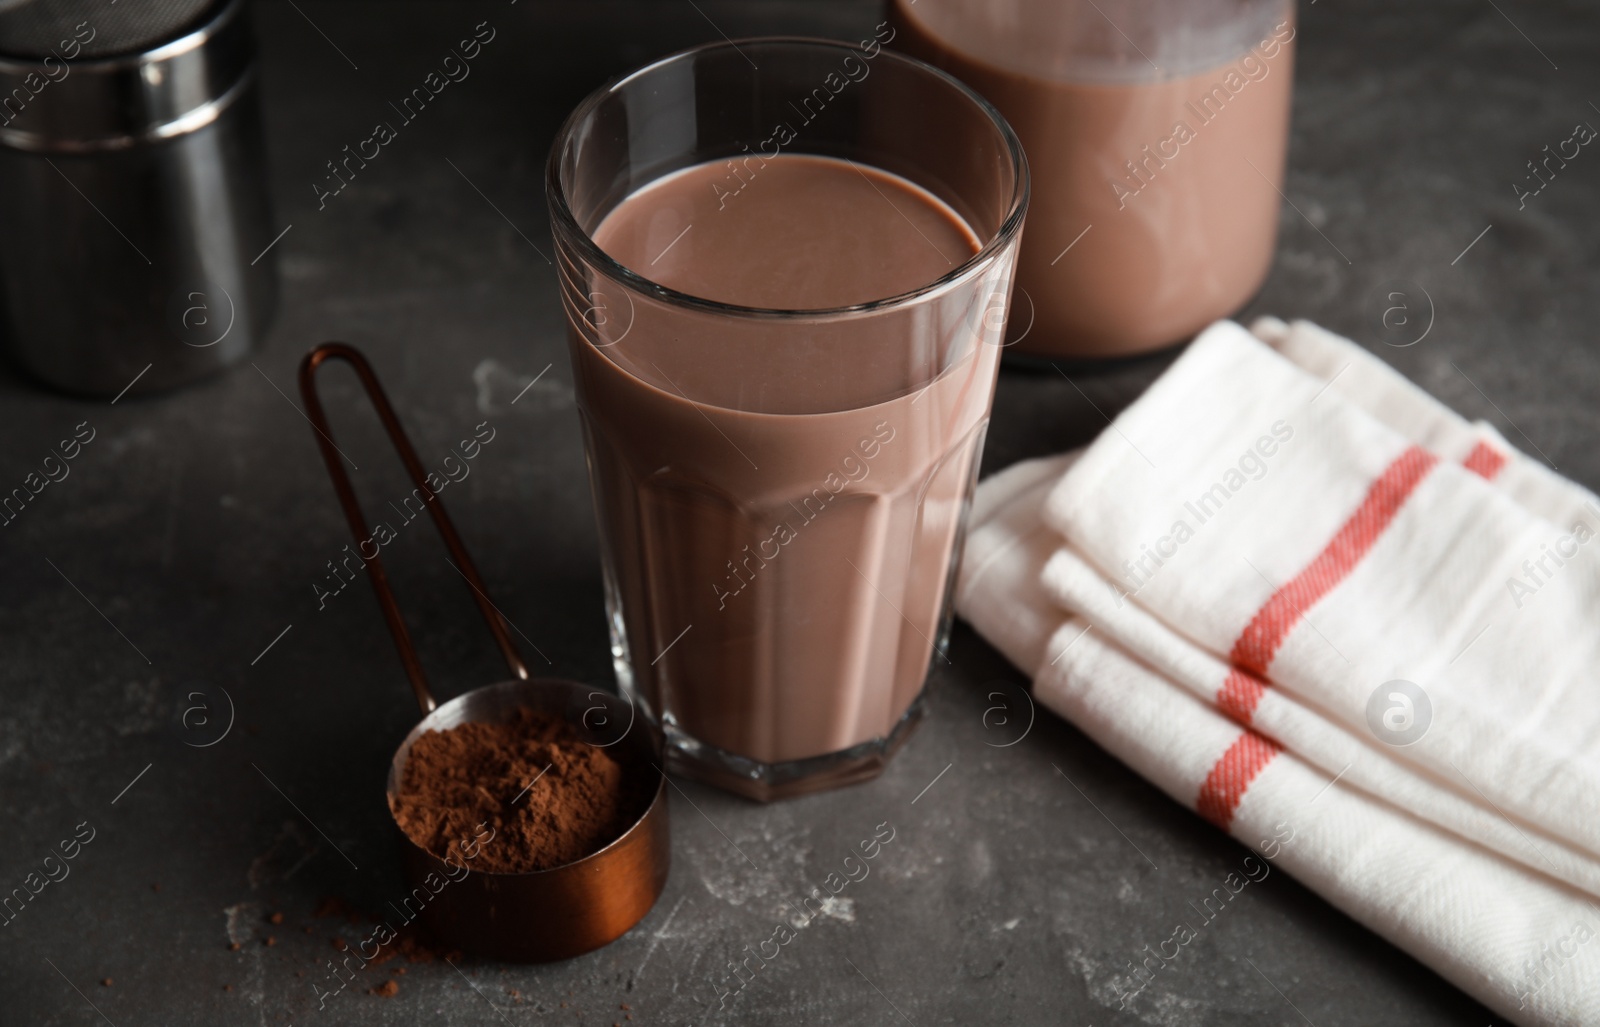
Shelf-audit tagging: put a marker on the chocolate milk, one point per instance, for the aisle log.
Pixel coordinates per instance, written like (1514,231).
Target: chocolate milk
(1155,201)
(781,517)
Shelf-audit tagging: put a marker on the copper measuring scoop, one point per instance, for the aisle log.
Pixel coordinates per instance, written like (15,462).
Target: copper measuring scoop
(529,917)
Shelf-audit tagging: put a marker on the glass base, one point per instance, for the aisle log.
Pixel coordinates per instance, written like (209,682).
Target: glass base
(765,782)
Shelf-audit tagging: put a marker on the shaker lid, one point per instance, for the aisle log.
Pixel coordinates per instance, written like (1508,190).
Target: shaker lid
(86,77)
(42,28)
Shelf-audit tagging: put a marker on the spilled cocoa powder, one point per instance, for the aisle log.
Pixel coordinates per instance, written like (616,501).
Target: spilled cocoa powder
(547,796)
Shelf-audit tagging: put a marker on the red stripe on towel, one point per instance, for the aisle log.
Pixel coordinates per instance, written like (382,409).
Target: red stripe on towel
(1272,623)
(1231,775)
(1241,692)
(1484,461)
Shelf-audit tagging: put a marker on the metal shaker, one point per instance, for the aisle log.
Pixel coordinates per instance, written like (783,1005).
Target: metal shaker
(135,226)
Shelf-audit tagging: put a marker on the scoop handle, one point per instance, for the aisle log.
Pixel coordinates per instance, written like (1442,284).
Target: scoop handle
(332,456)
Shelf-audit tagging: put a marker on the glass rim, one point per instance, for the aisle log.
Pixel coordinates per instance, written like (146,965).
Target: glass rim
(561,212)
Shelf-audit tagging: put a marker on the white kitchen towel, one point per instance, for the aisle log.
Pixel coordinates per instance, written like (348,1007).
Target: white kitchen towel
(1361,760)
(1367,381)
(1254,510)
(1008,541)
(1518,942)
(1514,939)
(1522,947)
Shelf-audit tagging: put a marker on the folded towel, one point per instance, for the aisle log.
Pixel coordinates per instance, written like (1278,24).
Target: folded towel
(1386,394)
(1357,758)
(1305,552)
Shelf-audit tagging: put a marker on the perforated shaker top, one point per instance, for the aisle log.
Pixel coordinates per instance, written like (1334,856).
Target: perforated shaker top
(40,28)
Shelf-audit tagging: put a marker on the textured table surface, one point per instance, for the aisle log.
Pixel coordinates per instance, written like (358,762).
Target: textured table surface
(1019,886)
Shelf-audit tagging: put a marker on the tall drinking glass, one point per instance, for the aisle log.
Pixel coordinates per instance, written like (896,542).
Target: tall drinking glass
(781,483)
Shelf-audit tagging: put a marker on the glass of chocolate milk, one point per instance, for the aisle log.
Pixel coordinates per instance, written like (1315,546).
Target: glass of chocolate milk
(786,266)
(1156,131)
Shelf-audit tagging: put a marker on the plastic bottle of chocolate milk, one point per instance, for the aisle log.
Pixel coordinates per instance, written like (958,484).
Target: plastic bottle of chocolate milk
(1156,133)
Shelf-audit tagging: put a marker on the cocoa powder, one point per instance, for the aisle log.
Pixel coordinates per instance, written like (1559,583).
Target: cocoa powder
(548,796)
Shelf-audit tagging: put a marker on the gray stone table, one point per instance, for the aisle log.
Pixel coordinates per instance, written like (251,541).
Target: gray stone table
(191,532)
